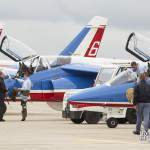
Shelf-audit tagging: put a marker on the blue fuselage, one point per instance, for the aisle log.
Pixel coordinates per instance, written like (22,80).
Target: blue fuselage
(50,85)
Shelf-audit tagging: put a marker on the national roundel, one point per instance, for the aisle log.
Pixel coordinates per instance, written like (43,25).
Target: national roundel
(130,95)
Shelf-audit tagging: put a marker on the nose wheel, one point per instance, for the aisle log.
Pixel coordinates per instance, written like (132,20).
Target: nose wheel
(112,122)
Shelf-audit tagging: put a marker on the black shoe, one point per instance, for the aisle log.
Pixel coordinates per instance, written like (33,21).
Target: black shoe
(136,132)
(23,119)
(2,120)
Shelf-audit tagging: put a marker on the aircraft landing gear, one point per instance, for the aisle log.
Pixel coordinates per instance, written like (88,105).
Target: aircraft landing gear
(92,117)
(112,122)
(131,115)
(122,120)
(77,121)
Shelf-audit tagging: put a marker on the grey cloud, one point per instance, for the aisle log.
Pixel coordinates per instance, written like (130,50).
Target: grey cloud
(122,14)
(48,25)
(50,38)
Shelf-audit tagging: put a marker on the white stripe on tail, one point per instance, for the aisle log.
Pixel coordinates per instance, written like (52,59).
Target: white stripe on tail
(90,45)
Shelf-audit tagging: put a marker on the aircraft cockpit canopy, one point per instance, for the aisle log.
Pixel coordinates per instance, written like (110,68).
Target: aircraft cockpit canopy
(33,65)
(15,49)
(104,75)
(139,46)
(124,77)
(38,64)
(27,57)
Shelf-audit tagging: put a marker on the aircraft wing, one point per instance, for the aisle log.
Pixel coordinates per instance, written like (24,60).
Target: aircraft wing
(81,68)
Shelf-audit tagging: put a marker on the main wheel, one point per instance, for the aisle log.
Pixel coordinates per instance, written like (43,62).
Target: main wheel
(112,122)
(77,121)
(92,117)
(122,120)
(131,115)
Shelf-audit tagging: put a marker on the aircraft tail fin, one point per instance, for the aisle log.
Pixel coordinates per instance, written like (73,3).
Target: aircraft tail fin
(87,42)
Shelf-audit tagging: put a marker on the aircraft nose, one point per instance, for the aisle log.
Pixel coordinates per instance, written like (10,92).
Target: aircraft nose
(90,94)
(103,94)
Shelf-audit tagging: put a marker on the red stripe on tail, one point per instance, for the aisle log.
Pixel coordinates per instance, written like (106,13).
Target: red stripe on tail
(95,43)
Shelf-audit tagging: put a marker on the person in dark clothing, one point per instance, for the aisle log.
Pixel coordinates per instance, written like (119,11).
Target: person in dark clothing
(142,102)
(3,91)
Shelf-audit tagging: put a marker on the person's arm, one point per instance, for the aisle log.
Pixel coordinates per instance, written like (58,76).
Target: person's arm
(2,87)
(20,80)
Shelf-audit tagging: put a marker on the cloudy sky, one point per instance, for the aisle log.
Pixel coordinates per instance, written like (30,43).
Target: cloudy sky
(48,25)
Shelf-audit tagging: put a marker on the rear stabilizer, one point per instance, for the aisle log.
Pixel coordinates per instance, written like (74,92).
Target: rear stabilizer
(87,42)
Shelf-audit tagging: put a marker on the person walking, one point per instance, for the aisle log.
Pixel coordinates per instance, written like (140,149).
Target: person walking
(3,92)
(142,102)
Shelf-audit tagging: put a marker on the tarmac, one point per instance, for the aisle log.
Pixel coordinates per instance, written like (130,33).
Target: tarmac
(46,130)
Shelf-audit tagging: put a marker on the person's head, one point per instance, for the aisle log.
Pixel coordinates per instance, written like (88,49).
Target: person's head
(26,75)
(2,74)
(134,65)
(142,76)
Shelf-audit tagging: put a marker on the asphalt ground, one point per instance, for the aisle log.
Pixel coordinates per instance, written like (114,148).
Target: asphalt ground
(46,130)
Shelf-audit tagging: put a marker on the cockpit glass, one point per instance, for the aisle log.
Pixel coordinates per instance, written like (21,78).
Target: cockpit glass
(15,49)
(105,75)
(124,77)
(139,45)
(37,64)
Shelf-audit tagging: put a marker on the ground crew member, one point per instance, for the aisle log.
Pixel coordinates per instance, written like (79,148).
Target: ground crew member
(139,68)
(3,91)
(24,92)
(142,102)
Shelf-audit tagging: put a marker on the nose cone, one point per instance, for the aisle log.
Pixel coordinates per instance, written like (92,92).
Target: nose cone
(103,94)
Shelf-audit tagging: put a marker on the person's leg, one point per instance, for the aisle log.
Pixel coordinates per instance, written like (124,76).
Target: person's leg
(1,107)
(24,110)
(2,110)
(146,114)
(149,120)
(139,116)
(1,114)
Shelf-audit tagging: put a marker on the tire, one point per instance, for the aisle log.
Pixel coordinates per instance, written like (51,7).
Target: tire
(131,115)
(92,117)
(77,121)
(112,122)
(122,120)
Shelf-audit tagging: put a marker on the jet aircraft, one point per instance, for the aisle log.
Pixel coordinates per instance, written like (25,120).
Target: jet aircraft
(117,92)
(50,83)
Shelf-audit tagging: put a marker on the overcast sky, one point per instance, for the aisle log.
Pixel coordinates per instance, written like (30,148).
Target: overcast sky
(48,25)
